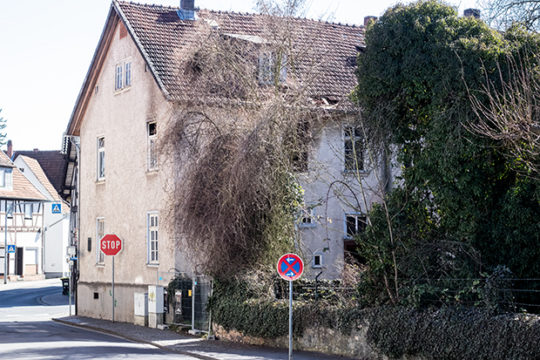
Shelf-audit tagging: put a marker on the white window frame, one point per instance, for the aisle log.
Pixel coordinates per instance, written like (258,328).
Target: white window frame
(100,158)
(127,74)
(152,238)
(356,148)
(308,218)
(6,178)
(100,256)
(152,156)
(321,260)
(123,75)
(357,216)
(28,210)
(268,65)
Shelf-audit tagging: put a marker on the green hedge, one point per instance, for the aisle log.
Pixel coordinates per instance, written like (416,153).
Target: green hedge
(454,333)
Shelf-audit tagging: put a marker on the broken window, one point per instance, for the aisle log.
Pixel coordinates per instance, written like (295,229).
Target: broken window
(151,128)
(354,224)
(354,148)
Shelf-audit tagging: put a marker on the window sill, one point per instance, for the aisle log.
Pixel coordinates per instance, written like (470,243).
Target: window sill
(100,265)
(307,226)
(152,265)
(100,181)
(152,171)
(316,266)
(121,91)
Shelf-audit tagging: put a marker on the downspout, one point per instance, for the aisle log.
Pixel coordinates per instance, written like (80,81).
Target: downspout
(42,230)
(75,141)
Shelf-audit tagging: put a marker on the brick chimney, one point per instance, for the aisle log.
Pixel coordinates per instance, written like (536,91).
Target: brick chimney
(369,19)
(187,10)
(475,13)
(9,151)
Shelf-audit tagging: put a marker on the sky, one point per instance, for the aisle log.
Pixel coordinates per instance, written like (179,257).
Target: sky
(46,47)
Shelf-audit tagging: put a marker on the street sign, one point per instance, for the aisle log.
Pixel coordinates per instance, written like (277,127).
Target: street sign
(11,249)
(110,244)
(290,267)
(56,208)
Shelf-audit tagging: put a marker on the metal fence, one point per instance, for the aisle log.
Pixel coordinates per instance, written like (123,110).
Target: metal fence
(188,299)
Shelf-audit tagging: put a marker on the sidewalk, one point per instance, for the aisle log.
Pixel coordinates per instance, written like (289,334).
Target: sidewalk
(189,345)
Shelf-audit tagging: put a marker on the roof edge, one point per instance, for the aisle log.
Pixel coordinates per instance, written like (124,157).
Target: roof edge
(145,55)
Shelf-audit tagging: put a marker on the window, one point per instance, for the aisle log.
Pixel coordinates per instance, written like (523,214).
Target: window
(118,78)
(308,218)
(317,261)
(354,224)
(100,232)
(354,148)
(152,153)
(101,158)
(301,145)
(28,211)
(122,75)
(152,226)
(269,65)
(6,178)
(127,81)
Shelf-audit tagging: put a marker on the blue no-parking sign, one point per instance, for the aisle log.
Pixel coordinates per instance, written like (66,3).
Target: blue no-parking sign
(11,249)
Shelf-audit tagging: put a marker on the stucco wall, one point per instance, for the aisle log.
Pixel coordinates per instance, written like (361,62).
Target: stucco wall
(129,190)
(324,186)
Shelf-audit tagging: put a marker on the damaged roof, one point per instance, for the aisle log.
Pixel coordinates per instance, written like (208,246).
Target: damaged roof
(163,36)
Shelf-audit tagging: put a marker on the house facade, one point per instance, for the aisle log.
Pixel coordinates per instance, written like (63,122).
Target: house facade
(21,217)
(56,212)
(122,183)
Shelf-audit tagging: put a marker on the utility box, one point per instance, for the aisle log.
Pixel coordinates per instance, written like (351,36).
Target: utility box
(140,304)
(155,306)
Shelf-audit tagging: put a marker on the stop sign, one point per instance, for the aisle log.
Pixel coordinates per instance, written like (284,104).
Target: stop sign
(110,244)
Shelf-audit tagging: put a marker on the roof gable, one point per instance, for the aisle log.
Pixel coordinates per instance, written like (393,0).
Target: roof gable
(52,162)
(35,167)
(22,187)
(162,38)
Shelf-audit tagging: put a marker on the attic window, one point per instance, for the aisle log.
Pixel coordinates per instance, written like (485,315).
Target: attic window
(6,178)
(271,64)
(123,31)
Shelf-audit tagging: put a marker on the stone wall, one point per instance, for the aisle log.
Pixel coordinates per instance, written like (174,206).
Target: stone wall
(319,339)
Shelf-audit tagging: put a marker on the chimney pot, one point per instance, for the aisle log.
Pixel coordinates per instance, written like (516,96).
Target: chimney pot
(475,13)
(9,152)
(36,149)
(369,19)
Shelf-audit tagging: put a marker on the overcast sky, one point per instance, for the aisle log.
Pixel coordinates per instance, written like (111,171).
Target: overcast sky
(46,47)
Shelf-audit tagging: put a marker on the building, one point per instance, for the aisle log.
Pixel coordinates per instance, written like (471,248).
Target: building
(21,217)
(131,90)
(55,231)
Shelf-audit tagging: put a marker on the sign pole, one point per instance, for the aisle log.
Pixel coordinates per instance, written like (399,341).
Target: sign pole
(113,288)
(290,320)
(6,259)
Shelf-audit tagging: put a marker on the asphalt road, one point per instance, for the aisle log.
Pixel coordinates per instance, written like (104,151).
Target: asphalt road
(27,331)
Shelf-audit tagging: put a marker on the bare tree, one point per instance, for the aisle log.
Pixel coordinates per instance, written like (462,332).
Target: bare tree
(510,114)
(503,13)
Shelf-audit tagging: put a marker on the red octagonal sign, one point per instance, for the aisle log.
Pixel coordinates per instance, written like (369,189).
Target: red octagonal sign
(110,244)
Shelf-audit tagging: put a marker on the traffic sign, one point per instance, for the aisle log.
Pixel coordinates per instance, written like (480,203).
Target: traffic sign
(110,244)
(56,208)
(290,267)
(11,249)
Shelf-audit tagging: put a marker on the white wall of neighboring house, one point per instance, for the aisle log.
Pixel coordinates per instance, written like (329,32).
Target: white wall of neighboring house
(55,231)
(55,241)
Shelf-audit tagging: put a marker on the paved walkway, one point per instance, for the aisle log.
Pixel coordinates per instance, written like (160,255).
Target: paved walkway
(188,345)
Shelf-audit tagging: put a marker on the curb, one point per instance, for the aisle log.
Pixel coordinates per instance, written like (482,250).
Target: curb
(110,332)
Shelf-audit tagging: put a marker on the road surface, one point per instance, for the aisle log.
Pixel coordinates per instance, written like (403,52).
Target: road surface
(27,331)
